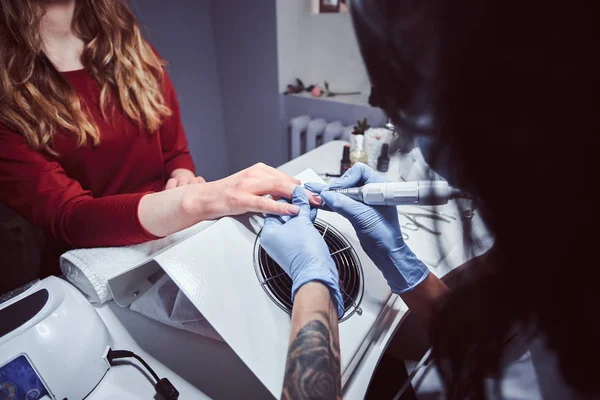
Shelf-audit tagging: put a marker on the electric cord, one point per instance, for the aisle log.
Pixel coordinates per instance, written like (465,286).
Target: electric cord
(328,175)
(163,386)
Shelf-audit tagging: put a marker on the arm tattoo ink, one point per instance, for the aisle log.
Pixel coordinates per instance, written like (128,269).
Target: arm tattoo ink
(313,363)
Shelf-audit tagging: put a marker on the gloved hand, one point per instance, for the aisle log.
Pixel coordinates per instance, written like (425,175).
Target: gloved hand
(377,228)
(296,245)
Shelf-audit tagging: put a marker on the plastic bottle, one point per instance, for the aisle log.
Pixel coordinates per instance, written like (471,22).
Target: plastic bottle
(358,154)
(345,161)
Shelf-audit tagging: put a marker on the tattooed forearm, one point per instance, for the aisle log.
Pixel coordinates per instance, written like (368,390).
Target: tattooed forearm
(313,364)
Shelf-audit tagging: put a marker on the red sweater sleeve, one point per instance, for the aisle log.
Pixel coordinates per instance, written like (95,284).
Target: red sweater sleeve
(39,189)
(172,136)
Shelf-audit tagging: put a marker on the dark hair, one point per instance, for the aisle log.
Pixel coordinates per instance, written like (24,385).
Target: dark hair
(509,90)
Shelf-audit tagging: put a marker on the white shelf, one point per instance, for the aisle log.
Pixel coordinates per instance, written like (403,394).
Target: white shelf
(355,99)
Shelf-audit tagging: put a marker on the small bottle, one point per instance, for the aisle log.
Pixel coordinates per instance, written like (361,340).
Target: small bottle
(358,154)
(345,162)
(383,162)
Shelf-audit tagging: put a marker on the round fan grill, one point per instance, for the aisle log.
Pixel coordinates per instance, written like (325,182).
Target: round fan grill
(278,285)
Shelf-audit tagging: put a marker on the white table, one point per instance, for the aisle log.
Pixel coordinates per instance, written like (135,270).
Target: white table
(202,368)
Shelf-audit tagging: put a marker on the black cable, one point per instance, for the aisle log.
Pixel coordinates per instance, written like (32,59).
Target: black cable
(328,175)
(163,386)
(116,354)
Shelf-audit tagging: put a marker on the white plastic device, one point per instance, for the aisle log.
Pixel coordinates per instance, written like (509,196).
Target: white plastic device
(58,331)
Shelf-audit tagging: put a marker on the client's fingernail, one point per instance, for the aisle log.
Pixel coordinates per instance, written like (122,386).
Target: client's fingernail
(317,198)
(293,209)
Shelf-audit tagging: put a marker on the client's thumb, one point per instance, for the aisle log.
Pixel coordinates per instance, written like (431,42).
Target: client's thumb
(300,199)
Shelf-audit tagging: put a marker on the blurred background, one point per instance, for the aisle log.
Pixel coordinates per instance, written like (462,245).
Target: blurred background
(232,61)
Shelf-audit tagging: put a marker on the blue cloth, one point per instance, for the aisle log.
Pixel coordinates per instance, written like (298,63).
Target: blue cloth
(296,245)
(377,228)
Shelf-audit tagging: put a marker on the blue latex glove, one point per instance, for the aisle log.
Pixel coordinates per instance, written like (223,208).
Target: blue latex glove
(377,228)
(296,245)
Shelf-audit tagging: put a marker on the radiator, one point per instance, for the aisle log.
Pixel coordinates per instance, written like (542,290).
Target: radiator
(307,133)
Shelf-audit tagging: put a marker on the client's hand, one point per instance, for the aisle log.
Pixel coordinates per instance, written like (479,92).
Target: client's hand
(244,192)
(377,228)
(296,245)
(183,177)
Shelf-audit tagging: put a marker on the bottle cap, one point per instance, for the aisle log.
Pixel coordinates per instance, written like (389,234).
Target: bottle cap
(385,148)
(346,153)
(383,161)
(345,161)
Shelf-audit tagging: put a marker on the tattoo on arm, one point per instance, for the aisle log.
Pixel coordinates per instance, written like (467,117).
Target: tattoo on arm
(313,363)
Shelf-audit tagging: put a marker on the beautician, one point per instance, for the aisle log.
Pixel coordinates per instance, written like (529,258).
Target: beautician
(504,90)
(92,148)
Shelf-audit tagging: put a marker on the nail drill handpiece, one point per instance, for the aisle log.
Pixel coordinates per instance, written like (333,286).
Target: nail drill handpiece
(424,193)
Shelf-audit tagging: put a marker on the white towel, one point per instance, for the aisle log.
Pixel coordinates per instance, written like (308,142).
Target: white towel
(90,269)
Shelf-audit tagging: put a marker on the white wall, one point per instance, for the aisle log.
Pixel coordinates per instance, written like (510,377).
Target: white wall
(318,47)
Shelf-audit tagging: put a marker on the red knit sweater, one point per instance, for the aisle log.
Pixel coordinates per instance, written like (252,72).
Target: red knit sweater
(88,196)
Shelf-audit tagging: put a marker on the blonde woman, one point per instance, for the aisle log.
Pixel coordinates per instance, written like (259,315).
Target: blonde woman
(91,136)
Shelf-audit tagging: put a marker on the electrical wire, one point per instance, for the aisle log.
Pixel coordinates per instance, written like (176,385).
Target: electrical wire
(119,354)
(163,386)
(328,175)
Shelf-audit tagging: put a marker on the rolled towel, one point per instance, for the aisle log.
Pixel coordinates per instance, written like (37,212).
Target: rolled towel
(90,269)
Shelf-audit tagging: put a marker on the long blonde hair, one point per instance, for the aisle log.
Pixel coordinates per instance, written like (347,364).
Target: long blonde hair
(37,101)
